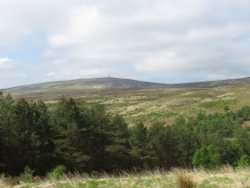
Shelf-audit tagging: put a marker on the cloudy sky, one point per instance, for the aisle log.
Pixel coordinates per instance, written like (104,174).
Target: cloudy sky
(167,41)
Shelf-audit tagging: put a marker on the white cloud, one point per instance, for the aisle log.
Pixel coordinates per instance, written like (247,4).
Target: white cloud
(163,62)
(6,63)
(20,19)
(81,24)
(133,38)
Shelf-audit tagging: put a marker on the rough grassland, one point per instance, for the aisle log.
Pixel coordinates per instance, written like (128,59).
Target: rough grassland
(150,106)
(153,105)
(223,178)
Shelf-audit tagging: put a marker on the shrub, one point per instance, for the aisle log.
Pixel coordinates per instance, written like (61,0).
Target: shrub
(27,175)
(206,157)
(57,172)
(2,175)
(243,162)
(184,181)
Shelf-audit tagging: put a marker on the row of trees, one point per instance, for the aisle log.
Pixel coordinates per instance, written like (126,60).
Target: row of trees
(87,139)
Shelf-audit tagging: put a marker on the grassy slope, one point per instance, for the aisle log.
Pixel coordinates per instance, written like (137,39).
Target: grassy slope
(128,98)
(226,177)
(166,104)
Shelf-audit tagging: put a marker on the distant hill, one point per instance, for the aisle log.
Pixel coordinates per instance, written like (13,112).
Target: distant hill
(105,85)
(80,87)
(219,83)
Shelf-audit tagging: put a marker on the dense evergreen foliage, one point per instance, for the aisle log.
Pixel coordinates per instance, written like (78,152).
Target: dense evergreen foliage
(88,139)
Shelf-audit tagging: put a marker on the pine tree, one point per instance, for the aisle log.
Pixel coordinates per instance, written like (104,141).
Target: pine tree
(66,122)
(139,143)
(118,148)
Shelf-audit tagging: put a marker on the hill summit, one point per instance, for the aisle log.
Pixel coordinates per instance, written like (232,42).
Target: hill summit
(82,86)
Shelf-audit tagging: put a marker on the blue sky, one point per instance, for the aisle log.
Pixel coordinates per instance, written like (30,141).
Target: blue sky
(162,40)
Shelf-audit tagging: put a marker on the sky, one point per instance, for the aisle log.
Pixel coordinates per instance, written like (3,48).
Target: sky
(166,41)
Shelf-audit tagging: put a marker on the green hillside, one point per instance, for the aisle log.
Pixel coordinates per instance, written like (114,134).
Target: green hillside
(108,85)
(166,104)
(144,101)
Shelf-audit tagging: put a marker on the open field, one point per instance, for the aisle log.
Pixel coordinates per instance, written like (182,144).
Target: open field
(223,178)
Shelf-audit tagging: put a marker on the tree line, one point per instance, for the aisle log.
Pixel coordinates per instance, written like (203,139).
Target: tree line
(89,139)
